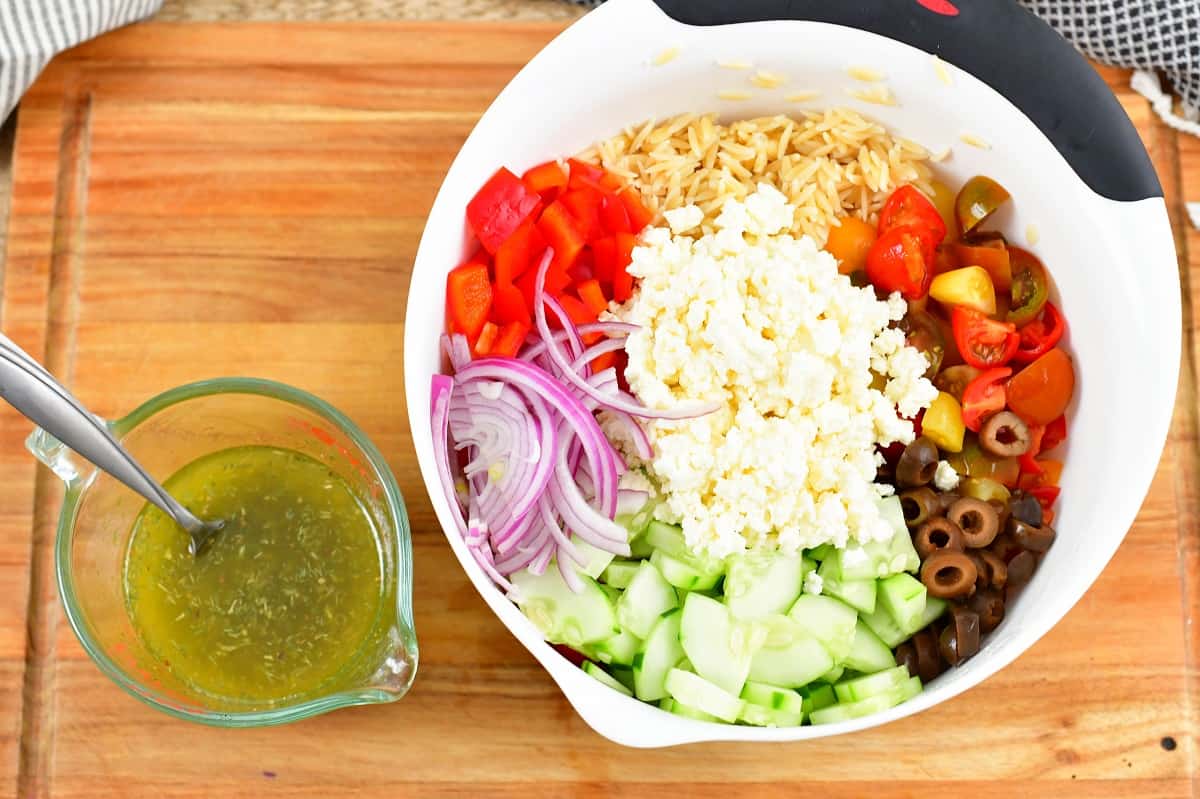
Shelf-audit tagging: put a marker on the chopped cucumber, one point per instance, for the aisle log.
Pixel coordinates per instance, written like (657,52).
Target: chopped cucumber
(619,573)
(868,654)
(829,620)
(695,691)
(822,552)
(669,538)
(760,716)
(595,560)
(612,593)
(761,584)
(789,657)
(907,689)
(862,687)
(858,594)
(719,646)
(563,616)
(659,654)
(903,554)
(647,597)
(884,626)
(880,558)
(640,548)
(681,574)
(679,709)
(853,710)
(903,596)
(833,675)
(620,648)
(602,676)
(635,523)
(773,697)
(934,608)
(817,696)
(623,675)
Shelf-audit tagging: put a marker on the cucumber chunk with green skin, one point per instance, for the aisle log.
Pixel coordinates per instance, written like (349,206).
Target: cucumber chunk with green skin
(659,654)
(759,584)
(789,657)
(773,697)
(884,626)
(669,538)
(682,575)
(647,597)
(640,548)
(602,676)
(903,596)
(595,560)
(562,615)
(817,696)
(852,710)
(760,716)
(620,648)
(619,573)
(907,689)
(934,608)
(829,620)
(821,553)
(871,685)
(694,691)
(623,675)
(868,654)
(858,594)
(719,646)
(833,675)
(903,555)
(612,593)
(680,709)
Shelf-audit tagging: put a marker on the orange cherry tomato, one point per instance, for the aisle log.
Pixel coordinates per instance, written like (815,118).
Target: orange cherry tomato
(1040,392)
(850,242)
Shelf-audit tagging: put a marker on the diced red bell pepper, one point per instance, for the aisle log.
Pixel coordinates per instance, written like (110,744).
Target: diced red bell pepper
(557,281)
(639,214)
(1028,460)
(592,296)
(508,343)
(519,251)
(1056,433)
(468,298)
(499,208)
(1044,494)
(584,268)
(584,204)
(562,233)
(613,216)
(508,305)
(580,314)
(603,361)
(604,259)
(622,280)
(487,338)
(592,176)
(546,179)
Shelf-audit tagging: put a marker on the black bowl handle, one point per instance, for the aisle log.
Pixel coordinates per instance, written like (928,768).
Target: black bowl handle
(1003,45)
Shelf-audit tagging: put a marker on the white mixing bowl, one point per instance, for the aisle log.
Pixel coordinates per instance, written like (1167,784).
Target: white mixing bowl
(1113,260)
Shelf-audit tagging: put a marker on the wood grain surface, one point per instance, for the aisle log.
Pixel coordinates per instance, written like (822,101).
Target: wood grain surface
(193,201)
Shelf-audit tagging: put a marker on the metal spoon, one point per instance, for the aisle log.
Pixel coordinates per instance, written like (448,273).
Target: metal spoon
(35,393)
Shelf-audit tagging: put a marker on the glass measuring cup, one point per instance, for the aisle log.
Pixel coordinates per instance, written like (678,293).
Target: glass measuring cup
(170,431)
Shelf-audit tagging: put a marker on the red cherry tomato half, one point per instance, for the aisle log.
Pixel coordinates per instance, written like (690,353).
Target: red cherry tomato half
(983,342)
(900,260)
(984,396)
(908,206)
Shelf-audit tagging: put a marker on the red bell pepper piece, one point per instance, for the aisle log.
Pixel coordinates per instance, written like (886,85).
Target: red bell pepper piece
(639,214)
(562,233)
(584,268)
(557,281)
(592,296)
(604,260)
(1040,335)
(546,179)
(580,314)
(603,361)
(1056,433)
(591,176)
(519,251)
(508,305)
(487,337)
(584,204)
(1028,462)
(1044,494)
(499,208)
(613,216)
(468,298)
(622,280)
(508,343)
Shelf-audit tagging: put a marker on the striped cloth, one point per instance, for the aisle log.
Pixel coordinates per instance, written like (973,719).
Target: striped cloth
(33,31)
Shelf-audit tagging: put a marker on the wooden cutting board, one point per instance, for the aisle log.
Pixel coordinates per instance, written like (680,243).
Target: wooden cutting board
(203,200)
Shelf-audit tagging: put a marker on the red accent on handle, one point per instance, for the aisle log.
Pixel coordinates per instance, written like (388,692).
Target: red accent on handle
(943,7)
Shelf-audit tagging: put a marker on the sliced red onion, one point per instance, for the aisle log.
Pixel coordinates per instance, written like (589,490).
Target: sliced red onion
(457,350)
(440,414)
(573,337)
(595,351)
(613,329)
(630,501)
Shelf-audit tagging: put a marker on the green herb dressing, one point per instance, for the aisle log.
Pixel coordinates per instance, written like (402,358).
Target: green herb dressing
(285,596)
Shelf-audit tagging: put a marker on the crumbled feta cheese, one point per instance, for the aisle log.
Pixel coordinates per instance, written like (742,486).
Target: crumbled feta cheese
(945,478)
(854,556)
(684,219)
(759,321)
(813,583)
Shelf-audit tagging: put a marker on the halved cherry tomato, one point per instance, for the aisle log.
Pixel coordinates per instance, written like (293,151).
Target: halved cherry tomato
(983,342)
(976,201)
(850,242)
(546,179)
(955,379)
(1056,433)
(1040,392)
(943,201)
(1040,334)
(984,396)
(992,255)
(900,260)
(970,287)
(922,331)
(468,298)
(908,207)
(1030,286)
(500,207)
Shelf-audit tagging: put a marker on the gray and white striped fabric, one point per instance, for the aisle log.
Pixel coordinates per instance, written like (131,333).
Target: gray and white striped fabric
(33,31)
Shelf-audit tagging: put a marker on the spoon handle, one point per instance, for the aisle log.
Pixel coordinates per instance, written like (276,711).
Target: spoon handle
(33,391)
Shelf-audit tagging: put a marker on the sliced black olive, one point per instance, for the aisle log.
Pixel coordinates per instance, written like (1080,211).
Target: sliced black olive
(1020,568)
(949,574)
(906,656)
(919,504)
(989,604)
(978,520)
(917,463)
(1026,508)
(1005,434)
(929,662)
(936,534)
(1032,537)
(960,639)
